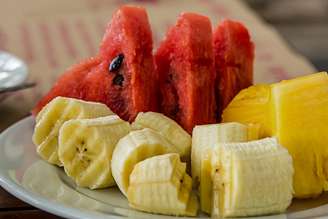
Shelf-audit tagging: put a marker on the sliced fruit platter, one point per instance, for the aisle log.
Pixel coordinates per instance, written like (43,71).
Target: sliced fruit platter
(184,130)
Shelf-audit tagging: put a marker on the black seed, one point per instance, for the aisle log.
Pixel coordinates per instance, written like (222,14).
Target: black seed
(118,80)
(85,149)
(175,110)
(116,63)
(169,79)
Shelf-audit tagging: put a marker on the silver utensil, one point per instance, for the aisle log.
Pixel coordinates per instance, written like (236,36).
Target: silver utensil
(13,73)
(17,87)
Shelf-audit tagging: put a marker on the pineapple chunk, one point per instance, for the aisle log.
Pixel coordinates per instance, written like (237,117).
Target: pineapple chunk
(295,111)
(251,105)
(301,109)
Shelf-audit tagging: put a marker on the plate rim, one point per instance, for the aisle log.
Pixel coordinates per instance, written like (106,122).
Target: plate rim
(39,201)
(59,209)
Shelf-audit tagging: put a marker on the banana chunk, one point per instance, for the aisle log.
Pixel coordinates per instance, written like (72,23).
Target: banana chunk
(251,178)
(253,131)
(161,185)
(133,148)
(167,127)
(86,147)
(53,115)
(205,136)
(205,139)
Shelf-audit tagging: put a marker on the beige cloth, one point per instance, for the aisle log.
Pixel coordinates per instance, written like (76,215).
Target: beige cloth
(51,35)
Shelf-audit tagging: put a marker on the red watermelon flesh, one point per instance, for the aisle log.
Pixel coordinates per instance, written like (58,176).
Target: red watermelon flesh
(185,64)
(69,83)
(234,57)
(129,34)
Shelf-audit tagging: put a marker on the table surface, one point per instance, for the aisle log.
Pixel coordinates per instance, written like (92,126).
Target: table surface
(11,207)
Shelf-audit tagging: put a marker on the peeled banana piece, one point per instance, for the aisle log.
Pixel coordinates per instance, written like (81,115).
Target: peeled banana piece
(205,139)
(253,131)
(167,127)
(207,136)
(53,115)
(161,185)
(251,178)
(133,148)
(86,147)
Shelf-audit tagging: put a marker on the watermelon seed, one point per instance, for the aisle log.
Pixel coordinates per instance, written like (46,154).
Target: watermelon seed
(118,80)
(116,63)
(171,77)
(175,110)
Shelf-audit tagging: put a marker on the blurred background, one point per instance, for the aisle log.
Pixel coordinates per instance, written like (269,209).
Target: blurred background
(303,23)
(291,37)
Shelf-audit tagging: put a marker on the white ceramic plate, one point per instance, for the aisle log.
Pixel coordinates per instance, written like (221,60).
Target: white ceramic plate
(13,71)
(26,176)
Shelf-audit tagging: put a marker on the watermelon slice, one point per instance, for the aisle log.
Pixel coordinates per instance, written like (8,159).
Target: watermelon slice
(123,77)
(185,64)
(131,87)
(234,57)
(69,84)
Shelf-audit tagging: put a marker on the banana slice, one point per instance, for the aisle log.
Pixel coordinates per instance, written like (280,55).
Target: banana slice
(161,185)
(53,115)
(207,137)
(86,147)
(133,148)
(251,178)
(206,184)
(253,131)
(167,127)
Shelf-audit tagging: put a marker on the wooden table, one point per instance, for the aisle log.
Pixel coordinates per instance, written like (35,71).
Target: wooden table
(11,207)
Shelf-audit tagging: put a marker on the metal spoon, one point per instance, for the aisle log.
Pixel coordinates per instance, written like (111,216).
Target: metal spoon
(13,71)
(17,87)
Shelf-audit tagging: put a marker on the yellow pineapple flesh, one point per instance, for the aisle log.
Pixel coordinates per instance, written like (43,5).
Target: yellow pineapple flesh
(251,105)
(301,109)
(296,112)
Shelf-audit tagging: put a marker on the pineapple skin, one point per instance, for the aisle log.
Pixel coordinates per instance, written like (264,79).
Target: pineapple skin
(296,112)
